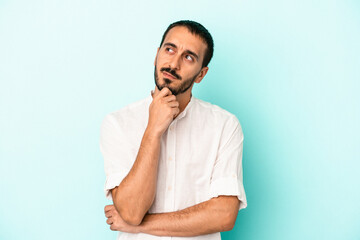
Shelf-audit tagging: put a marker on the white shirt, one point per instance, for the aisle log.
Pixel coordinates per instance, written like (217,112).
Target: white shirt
(200,157)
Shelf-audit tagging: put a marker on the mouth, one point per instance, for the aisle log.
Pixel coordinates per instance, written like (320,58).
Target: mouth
(168,75)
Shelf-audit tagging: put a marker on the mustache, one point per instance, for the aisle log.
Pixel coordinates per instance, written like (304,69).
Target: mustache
(171,71)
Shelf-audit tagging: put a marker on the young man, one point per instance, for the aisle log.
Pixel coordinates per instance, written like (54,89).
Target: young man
(173,162)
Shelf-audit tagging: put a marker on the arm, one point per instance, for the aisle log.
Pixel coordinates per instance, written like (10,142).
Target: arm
(135,194)
(215,215)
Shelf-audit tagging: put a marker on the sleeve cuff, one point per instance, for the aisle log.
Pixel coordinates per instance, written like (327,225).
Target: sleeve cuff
(229,186)
(113,180)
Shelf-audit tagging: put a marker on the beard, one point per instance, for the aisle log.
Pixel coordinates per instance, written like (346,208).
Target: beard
(184,86)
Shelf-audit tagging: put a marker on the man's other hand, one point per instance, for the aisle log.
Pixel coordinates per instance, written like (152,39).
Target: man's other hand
(116,222)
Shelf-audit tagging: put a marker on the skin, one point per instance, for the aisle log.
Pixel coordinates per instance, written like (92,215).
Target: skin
(182,54)
(178,59)
(218,213)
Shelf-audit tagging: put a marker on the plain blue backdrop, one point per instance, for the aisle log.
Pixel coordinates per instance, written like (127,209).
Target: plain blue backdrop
(289,70)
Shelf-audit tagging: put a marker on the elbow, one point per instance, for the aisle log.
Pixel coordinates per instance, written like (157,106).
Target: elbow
(129,214)
(226,209)
(228,226)
(229,222)
(131,219)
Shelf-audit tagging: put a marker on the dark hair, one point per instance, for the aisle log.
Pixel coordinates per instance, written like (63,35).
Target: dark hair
(199,30)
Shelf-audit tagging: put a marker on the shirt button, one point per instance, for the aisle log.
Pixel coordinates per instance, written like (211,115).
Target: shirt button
(171,128)
(169,188)
(170,158)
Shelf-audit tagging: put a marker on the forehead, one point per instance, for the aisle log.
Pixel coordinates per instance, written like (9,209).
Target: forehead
(185,40)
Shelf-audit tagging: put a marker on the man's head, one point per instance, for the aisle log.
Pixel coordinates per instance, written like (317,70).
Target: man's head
(185,51)
(198,30)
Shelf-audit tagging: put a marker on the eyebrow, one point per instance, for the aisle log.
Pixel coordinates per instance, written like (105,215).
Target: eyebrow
(187,51)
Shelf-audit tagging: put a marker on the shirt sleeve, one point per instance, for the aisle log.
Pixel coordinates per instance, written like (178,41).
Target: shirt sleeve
(227,175)
(118,158)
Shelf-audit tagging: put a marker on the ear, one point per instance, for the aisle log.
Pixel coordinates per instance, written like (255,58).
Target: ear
(202,74)
(156,56)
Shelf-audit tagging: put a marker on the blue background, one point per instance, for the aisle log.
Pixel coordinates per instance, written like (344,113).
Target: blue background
(289,70)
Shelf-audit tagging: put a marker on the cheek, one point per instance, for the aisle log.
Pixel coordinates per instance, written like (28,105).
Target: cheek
(160,64)
(164,59)
(189,72)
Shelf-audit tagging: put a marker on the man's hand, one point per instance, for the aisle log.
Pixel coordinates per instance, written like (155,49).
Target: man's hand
(162,111)
(116,222)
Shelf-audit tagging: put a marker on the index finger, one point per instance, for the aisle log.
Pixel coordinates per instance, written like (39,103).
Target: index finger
(164,92)
(107,208)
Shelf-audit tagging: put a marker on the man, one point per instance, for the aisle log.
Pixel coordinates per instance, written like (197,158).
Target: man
(173,162)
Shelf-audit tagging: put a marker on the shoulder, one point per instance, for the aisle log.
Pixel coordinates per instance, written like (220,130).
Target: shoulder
(219,115)
(228,125)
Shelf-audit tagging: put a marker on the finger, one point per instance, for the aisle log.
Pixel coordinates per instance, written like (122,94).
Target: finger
(173,104)
(108,214)
(169,98)
(109,221)
(164,92)
(107,208)
(175,112)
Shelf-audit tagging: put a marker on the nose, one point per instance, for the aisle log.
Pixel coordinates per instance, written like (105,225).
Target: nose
(175,62)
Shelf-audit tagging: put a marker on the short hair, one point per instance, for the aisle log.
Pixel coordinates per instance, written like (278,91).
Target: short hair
(199,30)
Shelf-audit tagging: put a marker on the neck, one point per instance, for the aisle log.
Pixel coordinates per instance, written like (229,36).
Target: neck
(183,99)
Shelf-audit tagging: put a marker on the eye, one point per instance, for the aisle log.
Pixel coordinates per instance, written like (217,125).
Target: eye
(188,57)
(169,50)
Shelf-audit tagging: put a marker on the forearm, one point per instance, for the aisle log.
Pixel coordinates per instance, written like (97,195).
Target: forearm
(136,193)
(204,218)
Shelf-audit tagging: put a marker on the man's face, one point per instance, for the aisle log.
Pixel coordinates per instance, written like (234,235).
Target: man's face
(178,62)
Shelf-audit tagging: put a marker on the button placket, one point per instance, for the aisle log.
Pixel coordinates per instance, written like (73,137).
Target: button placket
(170,175)
(173,166)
